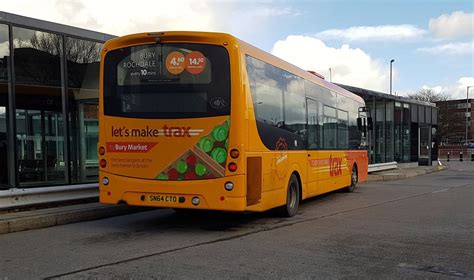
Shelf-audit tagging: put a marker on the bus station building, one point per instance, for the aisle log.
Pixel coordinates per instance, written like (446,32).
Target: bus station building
(404,130)
(49,85)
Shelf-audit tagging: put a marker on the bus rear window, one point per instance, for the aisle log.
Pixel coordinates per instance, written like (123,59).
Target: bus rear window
(167,81)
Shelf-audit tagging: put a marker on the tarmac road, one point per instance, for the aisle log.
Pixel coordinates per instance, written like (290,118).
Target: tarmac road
(422,227)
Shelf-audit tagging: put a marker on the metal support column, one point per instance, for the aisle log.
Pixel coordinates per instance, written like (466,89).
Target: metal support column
(11,135)
(65,111)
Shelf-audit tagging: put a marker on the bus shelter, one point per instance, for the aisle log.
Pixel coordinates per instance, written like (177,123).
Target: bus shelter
(404,129)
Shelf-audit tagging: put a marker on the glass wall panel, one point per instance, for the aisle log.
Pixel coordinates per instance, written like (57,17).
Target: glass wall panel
(39,119)
(380,131)
(370,103)
(421,114)
(434,115)
(428,115)
(4,60)
(406,133)
(389,126)
(83,59)
(414,141)
(414,113)
(398,131)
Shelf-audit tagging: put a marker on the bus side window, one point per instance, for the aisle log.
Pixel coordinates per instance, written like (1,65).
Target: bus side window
(329,127)
(313,127)
(267,93)
(342,129)
(295,107)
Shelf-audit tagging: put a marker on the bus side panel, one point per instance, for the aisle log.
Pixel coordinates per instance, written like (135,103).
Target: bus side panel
(299,166)
(332,171)
(272,191)
(360,158)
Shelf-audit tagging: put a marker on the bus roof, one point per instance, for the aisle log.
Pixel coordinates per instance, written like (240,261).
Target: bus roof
(225,38)
(278,62)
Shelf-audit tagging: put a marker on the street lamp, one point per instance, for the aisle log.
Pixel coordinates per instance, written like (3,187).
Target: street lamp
(467,109)
(391,61)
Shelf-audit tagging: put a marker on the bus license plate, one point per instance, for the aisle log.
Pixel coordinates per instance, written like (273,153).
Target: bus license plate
(162,198)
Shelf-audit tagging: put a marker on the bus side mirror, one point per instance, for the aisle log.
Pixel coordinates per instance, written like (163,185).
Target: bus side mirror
(370,125)
(359,124)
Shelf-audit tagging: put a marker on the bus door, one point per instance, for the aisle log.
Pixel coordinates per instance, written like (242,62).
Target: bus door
(313,144)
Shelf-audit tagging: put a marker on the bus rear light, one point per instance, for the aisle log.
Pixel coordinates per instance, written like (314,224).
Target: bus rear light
(103,163)
(195,201)
(101,151)
(234,153)
(232,167)
(105,181)
(229,186)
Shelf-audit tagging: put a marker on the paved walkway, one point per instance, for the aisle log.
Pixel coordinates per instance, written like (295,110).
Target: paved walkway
(48,217)
(404,172)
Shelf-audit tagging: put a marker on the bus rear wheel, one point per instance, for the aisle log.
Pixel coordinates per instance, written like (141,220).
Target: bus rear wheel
(292,199)
(354,179)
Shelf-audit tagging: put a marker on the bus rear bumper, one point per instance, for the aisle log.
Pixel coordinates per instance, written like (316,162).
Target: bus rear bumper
(198,194)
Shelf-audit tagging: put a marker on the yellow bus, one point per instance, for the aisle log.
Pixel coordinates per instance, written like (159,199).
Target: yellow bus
(200,120)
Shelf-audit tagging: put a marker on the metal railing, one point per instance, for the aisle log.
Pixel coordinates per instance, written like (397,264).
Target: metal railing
(382,166)
(18,197)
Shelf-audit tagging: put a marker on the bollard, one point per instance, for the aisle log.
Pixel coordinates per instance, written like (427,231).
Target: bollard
(448,155)
(460,156)
(472,156)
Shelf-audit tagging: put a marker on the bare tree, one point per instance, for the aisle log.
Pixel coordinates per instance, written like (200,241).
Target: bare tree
(81,51)
(42,49)
(429,95)
(46,42)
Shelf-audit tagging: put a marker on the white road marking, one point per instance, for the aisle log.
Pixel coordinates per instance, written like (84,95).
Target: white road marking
(443,190)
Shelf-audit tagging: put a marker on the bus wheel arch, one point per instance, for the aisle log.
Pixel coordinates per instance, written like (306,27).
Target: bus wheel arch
(293,197)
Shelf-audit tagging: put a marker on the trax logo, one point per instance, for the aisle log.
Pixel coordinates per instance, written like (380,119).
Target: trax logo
(167,131)
(335,166)
(176,131)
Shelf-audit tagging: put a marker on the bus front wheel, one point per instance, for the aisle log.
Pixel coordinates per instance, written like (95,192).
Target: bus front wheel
(354,179)
(292,198)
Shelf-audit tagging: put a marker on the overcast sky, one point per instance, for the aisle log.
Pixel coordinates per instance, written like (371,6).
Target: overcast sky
(431,41)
